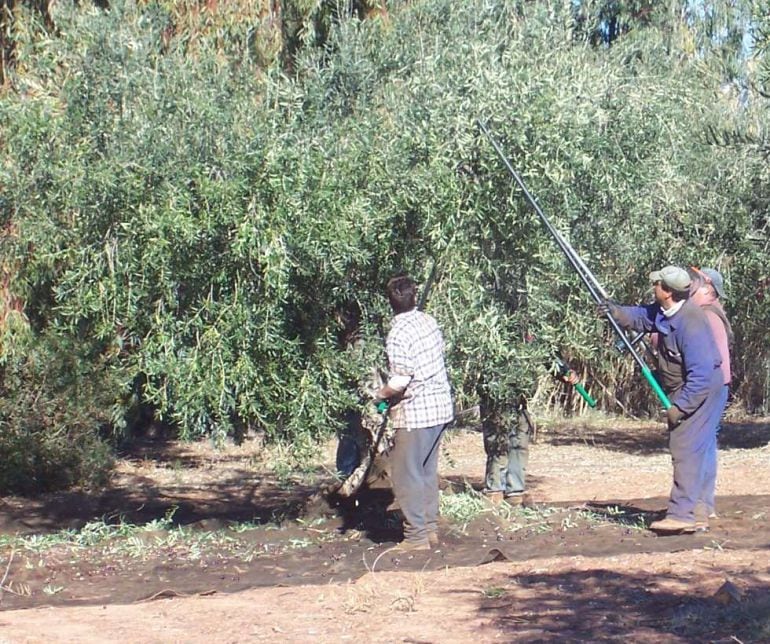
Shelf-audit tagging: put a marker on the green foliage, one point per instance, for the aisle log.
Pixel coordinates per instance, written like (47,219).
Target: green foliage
(227,231)
(54,402)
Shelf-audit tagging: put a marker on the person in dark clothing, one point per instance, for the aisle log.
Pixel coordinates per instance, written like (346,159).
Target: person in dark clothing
(506,445)
(690,374)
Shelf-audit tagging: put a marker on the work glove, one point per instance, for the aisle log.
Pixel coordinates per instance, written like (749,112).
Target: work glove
(674,416)
(606,306)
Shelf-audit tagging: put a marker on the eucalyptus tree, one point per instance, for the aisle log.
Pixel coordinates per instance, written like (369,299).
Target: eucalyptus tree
(266,30)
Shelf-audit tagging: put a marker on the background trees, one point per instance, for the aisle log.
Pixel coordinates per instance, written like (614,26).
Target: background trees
(207,235)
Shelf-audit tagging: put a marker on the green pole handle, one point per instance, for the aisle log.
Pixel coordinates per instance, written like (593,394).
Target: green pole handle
(656,387)
(382,406)
(585,395)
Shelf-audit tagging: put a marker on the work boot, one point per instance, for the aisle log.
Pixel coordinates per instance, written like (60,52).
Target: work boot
(433,539)
(495,497)
(701,519)
(412,546)
(702,512)
(516,498)
(672,525)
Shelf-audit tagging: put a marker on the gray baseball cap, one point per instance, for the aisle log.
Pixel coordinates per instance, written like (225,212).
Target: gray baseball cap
(677,279)
(716,280)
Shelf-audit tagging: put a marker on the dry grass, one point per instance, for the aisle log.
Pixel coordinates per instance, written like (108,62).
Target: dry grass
(376,593)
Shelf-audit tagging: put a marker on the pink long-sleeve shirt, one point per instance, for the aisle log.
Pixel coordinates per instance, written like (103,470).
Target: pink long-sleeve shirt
(717,330)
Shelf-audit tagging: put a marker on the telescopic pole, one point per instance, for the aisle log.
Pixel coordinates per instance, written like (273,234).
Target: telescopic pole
(635,339)
(591,283)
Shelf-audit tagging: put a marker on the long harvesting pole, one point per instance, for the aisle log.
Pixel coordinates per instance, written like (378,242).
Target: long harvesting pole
(635,339)
(592,284)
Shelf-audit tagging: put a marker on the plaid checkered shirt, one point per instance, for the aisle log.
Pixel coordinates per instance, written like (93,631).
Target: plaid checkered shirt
(415,349)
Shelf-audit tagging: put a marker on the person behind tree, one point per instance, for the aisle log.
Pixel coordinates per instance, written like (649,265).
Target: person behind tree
(689,370)
(506,444)
(420,407)
(707,290)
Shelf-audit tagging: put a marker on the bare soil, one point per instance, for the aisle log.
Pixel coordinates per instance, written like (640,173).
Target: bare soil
(578,565)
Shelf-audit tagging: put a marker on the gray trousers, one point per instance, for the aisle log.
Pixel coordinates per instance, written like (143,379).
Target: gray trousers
(692,445)
(707,499)
(415,485)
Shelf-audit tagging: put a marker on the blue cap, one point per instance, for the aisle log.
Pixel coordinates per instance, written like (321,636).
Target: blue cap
(716,279)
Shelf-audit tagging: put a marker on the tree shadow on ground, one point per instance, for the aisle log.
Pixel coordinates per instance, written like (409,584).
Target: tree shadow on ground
(231,494)
(165,449)
(602,605)
(744,435)
(651,439)
(236,493)
(372,512)
(641,440)
(240,498)
(239,493)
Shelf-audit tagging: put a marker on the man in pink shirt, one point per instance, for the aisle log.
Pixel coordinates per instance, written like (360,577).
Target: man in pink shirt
(706,289)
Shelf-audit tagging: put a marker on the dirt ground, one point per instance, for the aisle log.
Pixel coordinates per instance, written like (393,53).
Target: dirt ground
(576,565)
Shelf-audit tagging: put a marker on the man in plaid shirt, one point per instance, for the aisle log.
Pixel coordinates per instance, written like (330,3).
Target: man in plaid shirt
(420,408)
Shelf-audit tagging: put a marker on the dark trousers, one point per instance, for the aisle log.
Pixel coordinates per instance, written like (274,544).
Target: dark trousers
(415,479)
(691,444)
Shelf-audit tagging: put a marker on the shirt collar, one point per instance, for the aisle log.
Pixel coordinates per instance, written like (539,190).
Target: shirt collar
(669,313)
(405,314)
